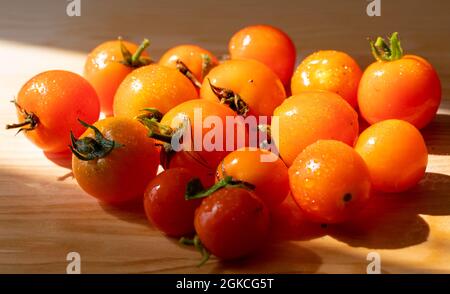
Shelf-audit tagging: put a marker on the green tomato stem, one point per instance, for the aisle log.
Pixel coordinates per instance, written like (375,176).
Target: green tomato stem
(387,52)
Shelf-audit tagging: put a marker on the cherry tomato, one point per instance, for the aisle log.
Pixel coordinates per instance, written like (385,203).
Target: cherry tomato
(232,223)
(208,146)
(399,86)
(49,105)
(196,164)
(247,86)
(196,60)
(165,203)
(268,45)
(330,181)
(329,70)
(310,116)
(152,86)
(107,66)
(261,168)
(114,160)
(396,154)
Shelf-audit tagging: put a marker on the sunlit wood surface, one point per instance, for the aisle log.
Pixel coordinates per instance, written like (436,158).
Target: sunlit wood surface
(44,214)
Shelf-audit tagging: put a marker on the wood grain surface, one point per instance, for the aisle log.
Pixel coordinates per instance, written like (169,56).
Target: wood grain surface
(44,215)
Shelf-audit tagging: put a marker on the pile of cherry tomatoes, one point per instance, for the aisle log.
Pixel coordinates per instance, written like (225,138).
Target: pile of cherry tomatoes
(221,201)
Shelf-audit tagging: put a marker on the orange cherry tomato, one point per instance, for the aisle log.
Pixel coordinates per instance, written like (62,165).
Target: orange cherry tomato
(208,149)
(330,181)
(255,84)
(232,223)
(152,86)
(268,45)
(49,105)
(399,87)
(261,168)
(165,204)
(197,60)
(396,154)
(115,162)
(106,68)
(310,116)
(328,70)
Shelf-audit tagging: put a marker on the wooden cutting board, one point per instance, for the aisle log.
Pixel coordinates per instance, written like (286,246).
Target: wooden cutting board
(44,215)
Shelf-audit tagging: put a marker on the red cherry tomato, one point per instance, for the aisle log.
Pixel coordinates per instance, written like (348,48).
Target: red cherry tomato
(165,203)
(232,223)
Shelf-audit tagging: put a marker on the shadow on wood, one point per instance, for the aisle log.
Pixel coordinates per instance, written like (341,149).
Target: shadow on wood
(437,134)
(392,220)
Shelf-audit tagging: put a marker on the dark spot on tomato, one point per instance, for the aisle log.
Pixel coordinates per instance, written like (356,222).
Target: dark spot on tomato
(347,197)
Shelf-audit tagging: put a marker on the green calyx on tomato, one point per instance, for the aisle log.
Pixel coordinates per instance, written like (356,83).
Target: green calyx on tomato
(195,189)
(230,98)
(135,60)
(89,148)
(387,52)
(198,246)
(29,123)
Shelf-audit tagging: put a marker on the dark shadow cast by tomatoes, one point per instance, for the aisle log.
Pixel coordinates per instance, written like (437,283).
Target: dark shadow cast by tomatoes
(430,197)
(392,221)
(132,212)
(275,257)
(62,159)
(437,135)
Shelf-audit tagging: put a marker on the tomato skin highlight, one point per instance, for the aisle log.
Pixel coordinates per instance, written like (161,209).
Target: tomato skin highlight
(253,81)
(270,177)
(232,223)
(330,181)
(165,204)
(328,70)
(310,116)
(104,70)
(191,56)
(408,89)
(58,98)
(124,173)
(152,86)
(395,153)
(268,45)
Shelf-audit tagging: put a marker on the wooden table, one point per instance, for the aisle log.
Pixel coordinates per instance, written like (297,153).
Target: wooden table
(44,214)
